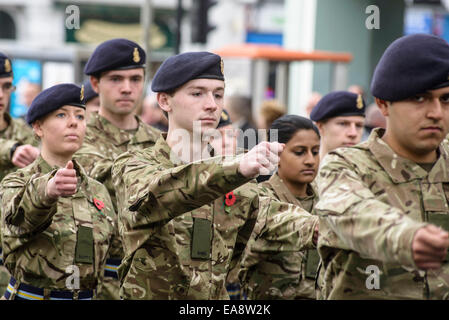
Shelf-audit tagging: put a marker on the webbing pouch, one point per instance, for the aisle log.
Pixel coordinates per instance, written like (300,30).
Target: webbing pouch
(440,220)
(84,252)
(313,259)
(201,239)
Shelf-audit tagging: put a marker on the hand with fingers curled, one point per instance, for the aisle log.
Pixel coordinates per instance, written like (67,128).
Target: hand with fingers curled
(263,159)
(429,247)
(64,182)
(24,155)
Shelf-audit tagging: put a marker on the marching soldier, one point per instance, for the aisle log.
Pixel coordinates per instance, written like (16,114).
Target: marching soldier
(287,275)
(57,223)
(18,147)
(21,143)
(180,233)
(340,116)
(116,70)
(383,204)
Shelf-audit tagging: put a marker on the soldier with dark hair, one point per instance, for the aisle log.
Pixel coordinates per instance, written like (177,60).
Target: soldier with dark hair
(291,275)
(383,208)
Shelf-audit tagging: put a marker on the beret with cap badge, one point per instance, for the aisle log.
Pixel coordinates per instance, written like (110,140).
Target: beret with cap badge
(115,54)
(54,98)
(338,104)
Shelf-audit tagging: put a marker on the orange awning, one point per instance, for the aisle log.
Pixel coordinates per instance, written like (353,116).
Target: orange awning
(277,53)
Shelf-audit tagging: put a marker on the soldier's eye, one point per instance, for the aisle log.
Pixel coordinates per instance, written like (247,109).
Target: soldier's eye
(80,117)
(418,98)
(60,115)
(445,98)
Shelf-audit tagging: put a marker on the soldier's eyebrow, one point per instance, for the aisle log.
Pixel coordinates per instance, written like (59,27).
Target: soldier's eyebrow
(204,88)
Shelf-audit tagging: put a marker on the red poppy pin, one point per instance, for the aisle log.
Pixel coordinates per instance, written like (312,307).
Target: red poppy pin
(99,204)
(230,198)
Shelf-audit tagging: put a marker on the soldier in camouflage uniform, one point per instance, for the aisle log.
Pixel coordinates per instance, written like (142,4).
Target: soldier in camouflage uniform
(339,122)
(180,233)
(57,223)
(116,70)
(381,201)
(287,275)
(18,149)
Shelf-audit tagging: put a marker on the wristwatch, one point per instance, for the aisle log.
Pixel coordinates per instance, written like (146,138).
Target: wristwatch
(13,149)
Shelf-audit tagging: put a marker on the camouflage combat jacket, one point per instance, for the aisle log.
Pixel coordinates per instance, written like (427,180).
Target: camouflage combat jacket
(40,235)
(16,131)
(103,143)
(178,233)
(372,202)
(280,275)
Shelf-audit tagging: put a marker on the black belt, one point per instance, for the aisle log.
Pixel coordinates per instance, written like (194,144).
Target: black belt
(27,292)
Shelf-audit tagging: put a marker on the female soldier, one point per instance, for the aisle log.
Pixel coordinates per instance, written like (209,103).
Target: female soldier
(285,275)
(56,222)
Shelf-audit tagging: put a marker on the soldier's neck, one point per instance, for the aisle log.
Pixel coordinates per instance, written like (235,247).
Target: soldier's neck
(429,157)
(53,159)
(186,145)
(299,190)
(124,122)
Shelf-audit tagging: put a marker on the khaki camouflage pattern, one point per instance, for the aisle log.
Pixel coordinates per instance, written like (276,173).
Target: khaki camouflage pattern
(159,203)
(103,143)
(40,234)
(280,275)
(17,131)
(372,202)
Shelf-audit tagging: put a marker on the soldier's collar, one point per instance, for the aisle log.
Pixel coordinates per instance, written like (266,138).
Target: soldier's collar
(143,133)
(401,169)
(163,151)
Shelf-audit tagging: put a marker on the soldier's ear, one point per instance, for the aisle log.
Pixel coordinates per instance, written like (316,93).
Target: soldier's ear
(319,125)
(163,99)
(383,106)
(94,83)
(37,128)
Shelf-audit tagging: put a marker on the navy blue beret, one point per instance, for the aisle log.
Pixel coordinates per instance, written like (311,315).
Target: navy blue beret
(411,65)
(54,98)
(89,92)
(115,54)
(338,104)
(224,119)
(177,70)
(5,66)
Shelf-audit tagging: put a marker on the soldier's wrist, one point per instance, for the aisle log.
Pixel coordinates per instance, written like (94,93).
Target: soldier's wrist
(13,149)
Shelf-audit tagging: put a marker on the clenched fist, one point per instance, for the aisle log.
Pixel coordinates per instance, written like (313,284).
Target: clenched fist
(63,183)
(262,159)
(429,247)
(24,155)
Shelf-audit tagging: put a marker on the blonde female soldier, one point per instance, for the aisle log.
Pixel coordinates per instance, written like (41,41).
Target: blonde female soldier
(56,222)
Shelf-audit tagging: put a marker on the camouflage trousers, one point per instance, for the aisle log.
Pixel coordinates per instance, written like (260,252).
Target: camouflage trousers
(4,279)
